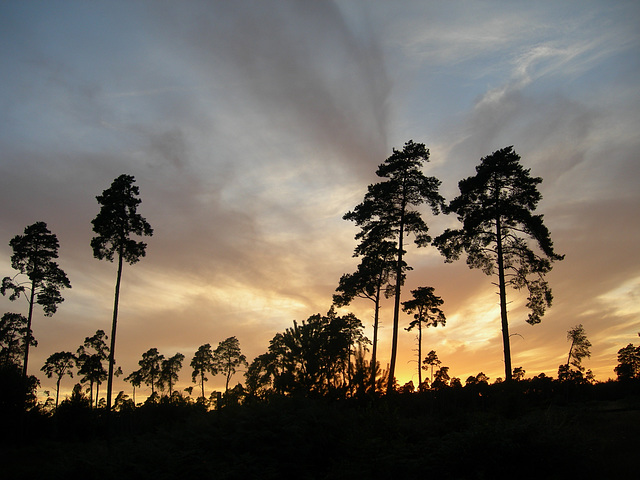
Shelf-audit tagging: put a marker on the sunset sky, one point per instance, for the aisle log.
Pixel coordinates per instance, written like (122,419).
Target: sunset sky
(251,127)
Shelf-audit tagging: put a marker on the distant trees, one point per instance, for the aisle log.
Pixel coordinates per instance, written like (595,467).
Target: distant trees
(33,256)
(59,364)
(169,372)
(388,214)
(369,281)
(202,363)
(628,362)
(312,357)
(228,357)
(426,310)
(90,356)
(431,360)
(151,368)
(580,348)
(114,226)
(496,210)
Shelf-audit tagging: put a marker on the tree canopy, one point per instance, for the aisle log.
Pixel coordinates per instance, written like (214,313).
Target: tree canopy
(500,231)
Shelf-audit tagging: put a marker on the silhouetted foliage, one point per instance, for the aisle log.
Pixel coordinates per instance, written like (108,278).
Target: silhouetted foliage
(203,362)
(59,364)
(33,256)
(387,214)
(151,368)
(426,310)
(495,207)
(169,372)
(376,269)
(90,356)
(628,363)
(312,357)
(114,226)
(229,357)
(430,361)
(13,332)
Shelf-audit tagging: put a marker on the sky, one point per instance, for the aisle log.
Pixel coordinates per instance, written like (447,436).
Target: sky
(252,127)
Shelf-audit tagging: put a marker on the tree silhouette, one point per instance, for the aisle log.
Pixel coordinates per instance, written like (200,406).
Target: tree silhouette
(203,362)
(151,368)
(228,357)
(426,310)
(33,255)
(114,225)
(495,207)
(60,364)
(371,278)
(90,356)
(580,346)
(387,213)
(628,362)
(135,379)
(169,372)
(441,378)
(431,360)
(13,332)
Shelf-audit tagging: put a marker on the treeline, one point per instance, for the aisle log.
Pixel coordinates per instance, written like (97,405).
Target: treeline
(325,355)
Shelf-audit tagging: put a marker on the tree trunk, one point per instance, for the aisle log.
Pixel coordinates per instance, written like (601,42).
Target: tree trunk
(374,360)
(28,335)
(503,304)
(112,351)
(419,354)
(396,307)
(58,390)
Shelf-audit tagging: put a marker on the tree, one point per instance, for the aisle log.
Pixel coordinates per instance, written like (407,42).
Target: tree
(90,356)
(135,379)
(372,276)
(628,362)
(33,255)
(169,372)
(426,310)
(580,346)
(13,332)
(431,360)
(60,364)
(518,374)
(498,227)
(388,213)
(441,378)
(150,367)
(203,362)
(114,225)
(229,357)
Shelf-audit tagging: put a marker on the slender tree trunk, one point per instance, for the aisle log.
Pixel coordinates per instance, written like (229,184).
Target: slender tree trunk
(202,385)
(419,354)
(58,390)
(374,351)
(28,335)
(97,393)
(396,307)
(503,303)
(112,351)
(570,351)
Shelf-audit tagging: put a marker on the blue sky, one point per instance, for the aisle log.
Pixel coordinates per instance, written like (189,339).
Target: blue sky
(252,127)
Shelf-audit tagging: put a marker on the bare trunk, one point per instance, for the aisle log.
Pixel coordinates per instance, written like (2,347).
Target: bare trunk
(112,351)
(419,354)
(374,359)
(503,304)
(28,335)
(58,390)
(396,308)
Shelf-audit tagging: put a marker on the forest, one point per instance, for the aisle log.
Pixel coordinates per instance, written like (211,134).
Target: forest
(318,403)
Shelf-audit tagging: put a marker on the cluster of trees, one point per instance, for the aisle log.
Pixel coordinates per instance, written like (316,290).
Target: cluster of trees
(499,233)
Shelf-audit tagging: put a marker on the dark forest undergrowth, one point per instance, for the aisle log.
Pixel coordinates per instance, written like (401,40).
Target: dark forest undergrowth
(449,434)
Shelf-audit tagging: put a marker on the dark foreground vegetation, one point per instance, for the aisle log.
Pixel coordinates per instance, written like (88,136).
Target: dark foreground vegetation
(536,428)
